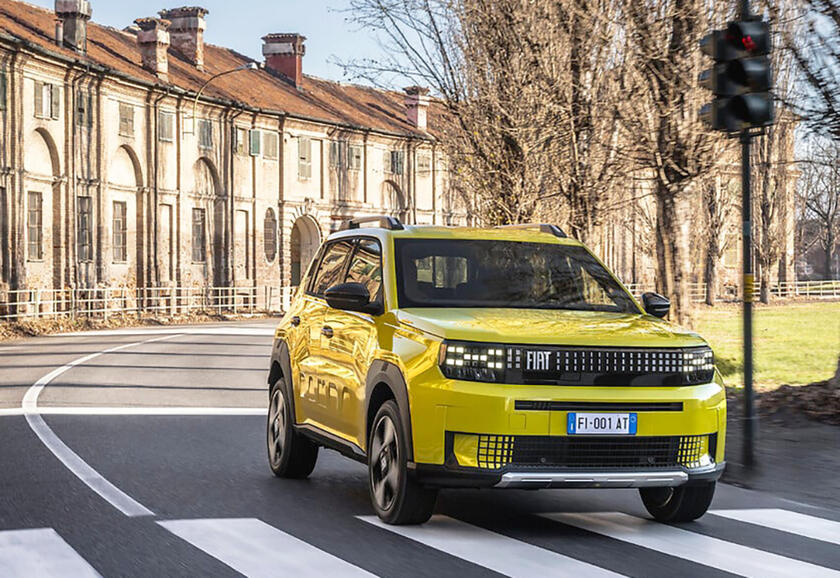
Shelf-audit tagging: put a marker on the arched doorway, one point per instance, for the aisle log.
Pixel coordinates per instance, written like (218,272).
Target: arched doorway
(40,228)
(306,238)
(207,218)
(395,201)
(122,217)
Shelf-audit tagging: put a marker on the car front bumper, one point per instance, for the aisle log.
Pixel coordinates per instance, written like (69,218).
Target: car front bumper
(532,479)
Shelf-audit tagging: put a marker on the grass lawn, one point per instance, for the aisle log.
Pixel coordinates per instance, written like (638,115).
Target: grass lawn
(795,343)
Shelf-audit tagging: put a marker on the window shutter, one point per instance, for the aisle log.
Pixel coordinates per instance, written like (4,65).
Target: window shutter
(55,101)
(256,143)
(386,162)
(39,99)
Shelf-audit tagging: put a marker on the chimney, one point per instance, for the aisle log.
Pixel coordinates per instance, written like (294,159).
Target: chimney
(74,16)
(187,32)
(417,106)
(284,54)
(153,40)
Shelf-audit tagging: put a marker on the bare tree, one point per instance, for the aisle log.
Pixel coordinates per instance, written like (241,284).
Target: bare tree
(529,88)
(819,194)
(661,118)
(719,204)
(815,46)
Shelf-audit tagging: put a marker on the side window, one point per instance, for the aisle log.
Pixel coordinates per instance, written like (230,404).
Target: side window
(366,266)
(331,269)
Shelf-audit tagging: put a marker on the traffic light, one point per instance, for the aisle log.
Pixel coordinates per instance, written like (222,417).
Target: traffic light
(740,79)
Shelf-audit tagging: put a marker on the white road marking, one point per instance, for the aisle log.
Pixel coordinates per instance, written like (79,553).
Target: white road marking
(40,552)
(787,521)
(698,548)
(221,411)
(112,494)
(255,331)
(254,548)
(491,550)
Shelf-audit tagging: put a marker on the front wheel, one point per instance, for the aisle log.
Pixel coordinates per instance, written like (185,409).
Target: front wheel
(680,504)
(396,497)
(290,455)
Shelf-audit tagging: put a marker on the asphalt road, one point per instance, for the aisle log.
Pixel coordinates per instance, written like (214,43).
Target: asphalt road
(99,475)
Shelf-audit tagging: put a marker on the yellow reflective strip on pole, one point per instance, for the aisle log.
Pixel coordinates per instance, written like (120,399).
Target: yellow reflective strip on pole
(749,288)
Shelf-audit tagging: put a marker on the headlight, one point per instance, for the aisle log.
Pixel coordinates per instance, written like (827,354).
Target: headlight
(698,365)
(472,361)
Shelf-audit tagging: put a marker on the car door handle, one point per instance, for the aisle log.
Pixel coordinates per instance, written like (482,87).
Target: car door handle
(295,321)
(327,331)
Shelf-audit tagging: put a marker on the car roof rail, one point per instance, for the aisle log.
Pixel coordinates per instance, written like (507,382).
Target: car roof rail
(384,221)
(542,227)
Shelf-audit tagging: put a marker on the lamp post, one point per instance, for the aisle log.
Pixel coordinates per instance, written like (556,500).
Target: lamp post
(249,66)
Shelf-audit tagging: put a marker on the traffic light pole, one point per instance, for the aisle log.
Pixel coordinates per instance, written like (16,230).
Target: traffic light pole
(749,289)
(748,283)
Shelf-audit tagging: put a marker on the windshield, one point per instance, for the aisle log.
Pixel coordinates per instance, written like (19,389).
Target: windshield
(504,274)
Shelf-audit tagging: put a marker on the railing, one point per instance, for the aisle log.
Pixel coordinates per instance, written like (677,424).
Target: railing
(105,302)
(732,293)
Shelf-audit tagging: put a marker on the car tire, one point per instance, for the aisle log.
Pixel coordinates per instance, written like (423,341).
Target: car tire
(680,504)
(397,498)
(290,454)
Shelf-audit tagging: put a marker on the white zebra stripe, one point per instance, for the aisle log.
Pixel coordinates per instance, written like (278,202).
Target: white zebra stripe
(491,550)
(40,552)
(787,521)
(691,546)
(253,548)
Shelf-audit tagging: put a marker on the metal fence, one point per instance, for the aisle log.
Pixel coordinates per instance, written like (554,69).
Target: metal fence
(105,302)
(786,290)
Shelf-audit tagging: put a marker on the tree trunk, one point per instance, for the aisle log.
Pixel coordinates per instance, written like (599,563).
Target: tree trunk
(671,257)
(711,278)
(764,278)
(829,245)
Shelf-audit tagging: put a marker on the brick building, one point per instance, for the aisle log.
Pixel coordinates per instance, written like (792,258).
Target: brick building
(115,172)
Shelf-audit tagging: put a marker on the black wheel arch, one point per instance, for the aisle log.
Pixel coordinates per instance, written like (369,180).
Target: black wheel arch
(281,366)
(385,381)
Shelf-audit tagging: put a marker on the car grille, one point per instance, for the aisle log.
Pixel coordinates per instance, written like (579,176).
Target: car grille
(603,452)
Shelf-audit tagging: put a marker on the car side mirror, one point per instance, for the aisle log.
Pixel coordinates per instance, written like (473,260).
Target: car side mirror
(656,305)
(351,297)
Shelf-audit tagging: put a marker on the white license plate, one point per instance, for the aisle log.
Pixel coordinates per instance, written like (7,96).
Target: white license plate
(602,423)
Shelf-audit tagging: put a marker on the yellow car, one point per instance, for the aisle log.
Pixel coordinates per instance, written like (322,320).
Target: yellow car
(507,357)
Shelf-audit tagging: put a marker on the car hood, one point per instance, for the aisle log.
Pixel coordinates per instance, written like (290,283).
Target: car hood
(549,327)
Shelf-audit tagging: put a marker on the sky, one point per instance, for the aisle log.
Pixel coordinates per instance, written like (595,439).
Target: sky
(241,24)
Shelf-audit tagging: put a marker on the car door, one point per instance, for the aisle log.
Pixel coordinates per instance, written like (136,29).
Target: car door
(313,405)
(349,343)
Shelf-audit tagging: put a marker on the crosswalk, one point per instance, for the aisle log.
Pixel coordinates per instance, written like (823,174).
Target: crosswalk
(253,547)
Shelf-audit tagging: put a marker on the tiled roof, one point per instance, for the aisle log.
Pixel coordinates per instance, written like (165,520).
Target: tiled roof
(317,99)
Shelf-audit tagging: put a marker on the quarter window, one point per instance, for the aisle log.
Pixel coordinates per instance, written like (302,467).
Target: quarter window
(331,269)
(366,266)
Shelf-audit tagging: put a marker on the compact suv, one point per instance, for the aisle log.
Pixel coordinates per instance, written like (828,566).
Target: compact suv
(507,358)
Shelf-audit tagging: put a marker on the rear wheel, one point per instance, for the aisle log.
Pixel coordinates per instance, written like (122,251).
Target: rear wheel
(396,497)
(680,504)
(290,455)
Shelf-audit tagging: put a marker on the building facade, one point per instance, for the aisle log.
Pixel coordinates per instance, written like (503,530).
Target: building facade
(144,157)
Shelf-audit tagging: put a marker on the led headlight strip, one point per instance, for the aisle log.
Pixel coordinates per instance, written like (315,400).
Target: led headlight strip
(473,362)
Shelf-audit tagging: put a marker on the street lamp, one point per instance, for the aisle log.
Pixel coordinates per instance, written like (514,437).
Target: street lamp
(249,66)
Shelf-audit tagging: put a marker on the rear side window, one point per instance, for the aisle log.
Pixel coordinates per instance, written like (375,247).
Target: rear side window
(331,269)
(366,266)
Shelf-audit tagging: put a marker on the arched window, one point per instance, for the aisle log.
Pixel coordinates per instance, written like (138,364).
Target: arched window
(270,235)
